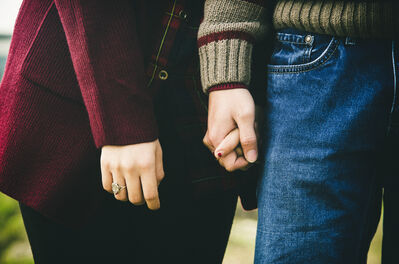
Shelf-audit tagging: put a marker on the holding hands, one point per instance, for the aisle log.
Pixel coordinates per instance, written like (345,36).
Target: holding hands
(231,122)
(134,172)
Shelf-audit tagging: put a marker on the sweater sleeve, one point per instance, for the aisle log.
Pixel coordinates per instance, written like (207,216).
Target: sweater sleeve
(225,39)
(109,66)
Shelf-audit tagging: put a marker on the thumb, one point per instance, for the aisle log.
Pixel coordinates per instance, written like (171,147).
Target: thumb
(248,139)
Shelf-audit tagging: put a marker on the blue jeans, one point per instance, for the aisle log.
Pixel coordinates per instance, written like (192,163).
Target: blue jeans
(331,138)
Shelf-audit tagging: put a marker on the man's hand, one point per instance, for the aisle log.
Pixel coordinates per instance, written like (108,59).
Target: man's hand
(139,167)
(228,110)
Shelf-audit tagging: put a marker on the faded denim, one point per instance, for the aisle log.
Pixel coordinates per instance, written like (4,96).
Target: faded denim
(331,121)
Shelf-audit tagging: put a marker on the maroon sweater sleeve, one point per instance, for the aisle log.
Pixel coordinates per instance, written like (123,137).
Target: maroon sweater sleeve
(109,66)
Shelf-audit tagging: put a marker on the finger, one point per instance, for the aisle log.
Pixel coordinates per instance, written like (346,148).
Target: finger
(160,174)
(239,151)
(220,118)
(218,132)
(118,178)
(228,161)
(248,138)
(240,163)
(229,143)
(150,189)
(106,178)
(207,142)
(232,162)
(134,192)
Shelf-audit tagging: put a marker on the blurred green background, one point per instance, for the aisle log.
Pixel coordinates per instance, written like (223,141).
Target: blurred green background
(14,246)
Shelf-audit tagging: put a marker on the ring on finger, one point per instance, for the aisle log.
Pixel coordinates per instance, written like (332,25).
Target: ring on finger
(116,188)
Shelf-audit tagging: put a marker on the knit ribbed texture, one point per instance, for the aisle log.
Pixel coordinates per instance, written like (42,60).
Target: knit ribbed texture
(364,19)
(230,28)
(225,40)
(105,61)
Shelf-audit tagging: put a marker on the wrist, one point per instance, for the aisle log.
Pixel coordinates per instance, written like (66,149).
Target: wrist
(227,86)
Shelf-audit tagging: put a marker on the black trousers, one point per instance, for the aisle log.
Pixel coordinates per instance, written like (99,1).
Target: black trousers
(186,231)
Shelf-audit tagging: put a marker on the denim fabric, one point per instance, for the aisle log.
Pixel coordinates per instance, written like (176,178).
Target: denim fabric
(328,131)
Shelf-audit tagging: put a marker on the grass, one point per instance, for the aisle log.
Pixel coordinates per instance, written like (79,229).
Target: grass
(14,246)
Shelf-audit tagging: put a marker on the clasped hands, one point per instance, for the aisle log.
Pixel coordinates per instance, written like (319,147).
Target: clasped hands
(232,128)
(231,136)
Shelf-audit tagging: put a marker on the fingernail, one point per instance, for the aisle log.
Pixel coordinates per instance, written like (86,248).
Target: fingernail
(252,155)
(219,154)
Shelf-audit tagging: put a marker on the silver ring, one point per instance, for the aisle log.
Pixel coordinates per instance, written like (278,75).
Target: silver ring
(116,188)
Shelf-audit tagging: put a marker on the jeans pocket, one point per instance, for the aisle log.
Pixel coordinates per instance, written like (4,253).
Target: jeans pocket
(298,51)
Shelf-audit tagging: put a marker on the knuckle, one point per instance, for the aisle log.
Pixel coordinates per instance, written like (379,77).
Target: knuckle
(213,136)
(126,165)
(115,166)
(104,162)
(246,114)
(145,164)
(136,199)
(248,140)
(151,196)
(205,141)
(229,169)
(161,175)
(228,166)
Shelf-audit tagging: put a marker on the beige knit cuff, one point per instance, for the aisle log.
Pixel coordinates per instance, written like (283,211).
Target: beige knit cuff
(225,39)
(225,61)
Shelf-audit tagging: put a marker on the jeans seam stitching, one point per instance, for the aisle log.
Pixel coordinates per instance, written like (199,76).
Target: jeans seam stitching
(279,69)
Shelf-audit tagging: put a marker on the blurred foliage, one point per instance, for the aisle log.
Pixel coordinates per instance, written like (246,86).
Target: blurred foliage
(14,247)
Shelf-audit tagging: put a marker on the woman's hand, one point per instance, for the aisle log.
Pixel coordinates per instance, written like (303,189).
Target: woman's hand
(229,152)
(228,110)
(139,167)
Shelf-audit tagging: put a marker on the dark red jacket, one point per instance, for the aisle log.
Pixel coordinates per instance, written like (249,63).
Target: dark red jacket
(80,75)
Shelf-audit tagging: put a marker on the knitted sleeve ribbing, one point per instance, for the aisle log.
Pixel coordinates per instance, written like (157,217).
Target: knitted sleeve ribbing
(225,40)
